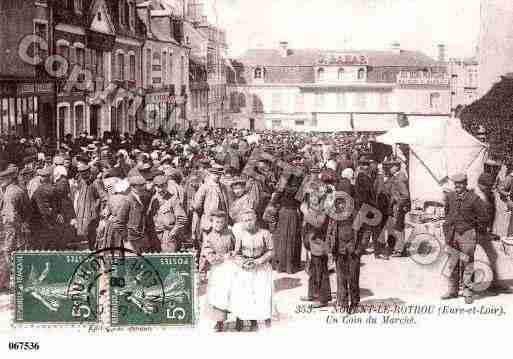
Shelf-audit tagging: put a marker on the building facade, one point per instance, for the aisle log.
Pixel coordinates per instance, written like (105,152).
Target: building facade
(101,41)
(165,66)
(27,103)
(495,46)
(464,82)
(316,90)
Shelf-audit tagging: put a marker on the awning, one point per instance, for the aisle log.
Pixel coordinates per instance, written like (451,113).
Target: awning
(374,122)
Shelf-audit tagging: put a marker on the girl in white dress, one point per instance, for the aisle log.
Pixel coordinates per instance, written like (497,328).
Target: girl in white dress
(217,251)
(252,285)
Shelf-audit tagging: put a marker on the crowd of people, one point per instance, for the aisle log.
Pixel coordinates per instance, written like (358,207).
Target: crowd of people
(246,203)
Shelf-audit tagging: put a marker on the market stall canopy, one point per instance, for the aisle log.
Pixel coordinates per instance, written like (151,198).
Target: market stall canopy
(438,150)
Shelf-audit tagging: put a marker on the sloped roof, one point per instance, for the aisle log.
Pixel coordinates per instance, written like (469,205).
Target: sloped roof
(309,57)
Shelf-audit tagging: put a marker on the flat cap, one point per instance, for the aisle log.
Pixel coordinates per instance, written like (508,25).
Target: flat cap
(315,169)
(238,181)
(58,160)
(160,180)
(44,172)
(136,180)
(459,177)
(145,167)
(218,213)
(216,169)
(82,167)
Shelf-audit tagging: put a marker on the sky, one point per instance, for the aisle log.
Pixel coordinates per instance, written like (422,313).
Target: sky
(349,24)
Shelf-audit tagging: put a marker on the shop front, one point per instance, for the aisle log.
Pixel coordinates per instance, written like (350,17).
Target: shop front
(163,111)
(26,109)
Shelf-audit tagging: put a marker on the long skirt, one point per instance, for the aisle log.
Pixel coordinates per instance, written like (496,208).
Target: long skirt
(287,241)
(220,279)
(251,293)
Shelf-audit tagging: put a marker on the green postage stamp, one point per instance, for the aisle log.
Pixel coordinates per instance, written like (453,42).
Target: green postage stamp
(65,288)
(55,288)
(154,290)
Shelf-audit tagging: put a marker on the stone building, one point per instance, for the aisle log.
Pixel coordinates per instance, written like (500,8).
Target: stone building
(166,68)
(319,90)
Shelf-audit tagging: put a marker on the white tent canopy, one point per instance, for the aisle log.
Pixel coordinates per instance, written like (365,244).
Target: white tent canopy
(438,150)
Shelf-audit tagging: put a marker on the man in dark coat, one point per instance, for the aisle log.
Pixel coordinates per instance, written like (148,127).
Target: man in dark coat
(15,214)
(466,215)
(47,218)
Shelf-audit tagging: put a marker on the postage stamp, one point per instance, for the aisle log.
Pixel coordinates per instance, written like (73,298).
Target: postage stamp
(154,290)
(46,289)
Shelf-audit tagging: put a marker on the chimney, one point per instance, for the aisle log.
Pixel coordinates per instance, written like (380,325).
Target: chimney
(396,48)
(284,48)
(441,53)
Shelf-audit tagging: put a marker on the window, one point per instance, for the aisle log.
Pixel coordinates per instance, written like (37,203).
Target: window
(276,102)
(320,74)
(126,8)
(300,102)
(148,66)
(319,101)
(121,6)
(171,66)
(41,30)
(63,50)
(383,101)
(234,102)
(276,123)
(99,61)
(164,66)
(80,54)
(156,64)
(361,74)
(361,100)
(79,118)
(132,67)
(258,73)
(341,101)
(258,106)
(340,74)
(131,14)
(99,16)
(300,122)
(242,100)
(157,80)
(182,69)
(121,66)
(434,100)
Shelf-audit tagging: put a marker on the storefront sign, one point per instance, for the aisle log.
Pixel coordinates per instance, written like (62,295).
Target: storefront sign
(333,58)
(164,97)
(28,89)
(161,97)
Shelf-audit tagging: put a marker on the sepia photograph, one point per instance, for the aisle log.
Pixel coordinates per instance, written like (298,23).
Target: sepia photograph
(181,168)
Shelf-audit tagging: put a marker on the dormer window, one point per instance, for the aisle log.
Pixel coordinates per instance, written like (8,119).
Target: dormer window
(340,74)
(258,73)
(361,74)
(320,74)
